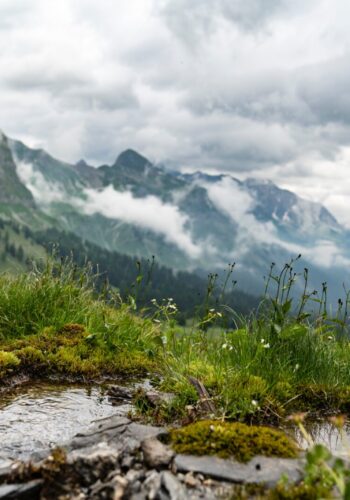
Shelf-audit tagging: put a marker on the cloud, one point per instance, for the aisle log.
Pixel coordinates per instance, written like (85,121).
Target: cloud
(244,86)
(192,21)
(235,201)
(43,192)
(148,212)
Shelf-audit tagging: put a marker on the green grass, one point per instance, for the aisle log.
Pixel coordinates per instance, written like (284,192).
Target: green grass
(273,363)
(279,360)
(251,373)
(51,321)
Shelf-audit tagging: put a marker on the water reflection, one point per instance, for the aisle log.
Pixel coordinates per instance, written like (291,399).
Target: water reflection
(34,418)
(327,434)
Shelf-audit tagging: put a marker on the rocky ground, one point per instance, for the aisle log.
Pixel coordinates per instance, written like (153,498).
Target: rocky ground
(120,459)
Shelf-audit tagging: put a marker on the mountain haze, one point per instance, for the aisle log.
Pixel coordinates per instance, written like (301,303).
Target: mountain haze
(188,221)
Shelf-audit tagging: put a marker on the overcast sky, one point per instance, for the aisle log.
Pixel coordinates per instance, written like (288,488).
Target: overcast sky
(251,87)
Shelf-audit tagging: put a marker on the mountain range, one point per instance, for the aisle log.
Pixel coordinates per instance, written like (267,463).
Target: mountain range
(195,222)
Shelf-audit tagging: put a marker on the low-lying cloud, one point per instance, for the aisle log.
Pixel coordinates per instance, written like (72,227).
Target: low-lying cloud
(236,202)
(43,192)
(149,212)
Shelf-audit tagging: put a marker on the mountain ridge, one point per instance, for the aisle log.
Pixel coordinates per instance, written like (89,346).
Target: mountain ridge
(190,221)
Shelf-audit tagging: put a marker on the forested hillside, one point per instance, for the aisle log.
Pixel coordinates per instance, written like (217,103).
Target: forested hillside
(144,279)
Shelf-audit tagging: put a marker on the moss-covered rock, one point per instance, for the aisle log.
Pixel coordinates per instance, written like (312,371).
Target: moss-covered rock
(236,440)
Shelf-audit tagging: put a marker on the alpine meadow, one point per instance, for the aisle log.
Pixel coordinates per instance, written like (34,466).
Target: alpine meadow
(174,250)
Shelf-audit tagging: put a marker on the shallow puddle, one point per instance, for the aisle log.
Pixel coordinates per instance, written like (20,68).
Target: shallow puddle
(327,434)
(36,417)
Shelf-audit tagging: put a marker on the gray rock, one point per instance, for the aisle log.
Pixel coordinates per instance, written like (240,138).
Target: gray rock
(225,470)
(155,453)
(269,470)
(152,485)
(259,470)
(134,475)
(88,465)
(128,461)
(171,488)
(141,495)
(191,481)
(118,393)
(114,489)
(117,431)
(156,398)
(141,432)
(135,487)
(26,491)
(106,430)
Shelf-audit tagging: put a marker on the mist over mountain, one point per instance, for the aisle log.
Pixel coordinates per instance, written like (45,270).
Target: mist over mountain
(188,221)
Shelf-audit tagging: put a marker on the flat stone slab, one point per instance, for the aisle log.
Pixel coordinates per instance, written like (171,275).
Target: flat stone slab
(259,470)
(117,431)
(268,470)
(224,470)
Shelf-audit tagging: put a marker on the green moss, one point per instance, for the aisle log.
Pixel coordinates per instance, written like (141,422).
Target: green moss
(283,391)
(236,440)
(72,349)
(31,357)
(318,397)
(8,362)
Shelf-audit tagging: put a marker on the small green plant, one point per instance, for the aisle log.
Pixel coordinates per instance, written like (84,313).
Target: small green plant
(324,476)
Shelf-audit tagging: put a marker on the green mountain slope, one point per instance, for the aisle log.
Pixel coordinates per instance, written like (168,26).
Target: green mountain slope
(12,190)
(20,246)
(188,221)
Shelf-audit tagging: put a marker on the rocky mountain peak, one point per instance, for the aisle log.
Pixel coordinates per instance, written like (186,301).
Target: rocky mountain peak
(132,159)
(81,164)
